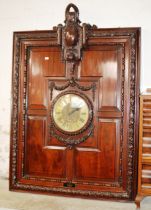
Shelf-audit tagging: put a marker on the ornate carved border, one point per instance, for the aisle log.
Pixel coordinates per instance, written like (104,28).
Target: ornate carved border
(68,191)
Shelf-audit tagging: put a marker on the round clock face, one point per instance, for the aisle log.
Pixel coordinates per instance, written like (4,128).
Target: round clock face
(70,112)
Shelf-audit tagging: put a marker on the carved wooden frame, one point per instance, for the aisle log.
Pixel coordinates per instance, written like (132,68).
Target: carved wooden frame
(73,138)
(54,37)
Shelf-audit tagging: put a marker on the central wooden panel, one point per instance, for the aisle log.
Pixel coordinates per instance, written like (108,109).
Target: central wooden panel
(98,158)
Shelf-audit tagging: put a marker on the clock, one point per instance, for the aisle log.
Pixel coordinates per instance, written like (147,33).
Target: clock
(71,112)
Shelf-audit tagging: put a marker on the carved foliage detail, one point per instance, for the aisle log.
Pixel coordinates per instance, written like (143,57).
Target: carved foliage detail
(72,83)
(131,134)
(70,141)
(87,193)
(14,125)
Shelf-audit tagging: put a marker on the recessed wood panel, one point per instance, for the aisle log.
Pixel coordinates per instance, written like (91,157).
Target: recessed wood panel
(39,160)
(109,86)
(107,62)
(102,163)
(43,62)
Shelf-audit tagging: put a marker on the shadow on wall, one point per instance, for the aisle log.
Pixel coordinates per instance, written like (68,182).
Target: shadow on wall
(4,153)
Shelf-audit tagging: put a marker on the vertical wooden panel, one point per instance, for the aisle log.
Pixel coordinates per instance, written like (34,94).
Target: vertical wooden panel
(103,62)
(110,74)
(101,163)
(36,95)
(43,62)
(41,161)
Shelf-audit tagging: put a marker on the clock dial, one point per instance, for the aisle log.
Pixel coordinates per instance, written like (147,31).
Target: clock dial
(70,112)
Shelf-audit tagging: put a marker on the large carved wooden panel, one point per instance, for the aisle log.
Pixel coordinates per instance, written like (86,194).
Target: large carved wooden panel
(90,151)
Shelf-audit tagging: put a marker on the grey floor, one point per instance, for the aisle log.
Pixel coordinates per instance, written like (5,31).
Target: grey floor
(26,201)
(6,209)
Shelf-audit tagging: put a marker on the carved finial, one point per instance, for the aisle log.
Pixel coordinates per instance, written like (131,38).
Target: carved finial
(72,13)
(72,37)
(71,29)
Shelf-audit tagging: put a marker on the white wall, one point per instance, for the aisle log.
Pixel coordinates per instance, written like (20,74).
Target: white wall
(18,15)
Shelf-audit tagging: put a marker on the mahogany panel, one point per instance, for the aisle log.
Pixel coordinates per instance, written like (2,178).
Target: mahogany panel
(98,56)
(107,62)
(44,62)
(101,163)
(41,161)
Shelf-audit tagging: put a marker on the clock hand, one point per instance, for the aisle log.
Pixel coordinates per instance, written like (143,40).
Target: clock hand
(74,110)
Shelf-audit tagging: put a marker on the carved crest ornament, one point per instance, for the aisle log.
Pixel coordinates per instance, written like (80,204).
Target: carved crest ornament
(72,37)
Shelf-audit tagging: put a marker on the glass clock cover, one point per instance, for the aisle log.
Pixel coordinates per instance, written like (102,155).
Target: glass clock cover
(70,112)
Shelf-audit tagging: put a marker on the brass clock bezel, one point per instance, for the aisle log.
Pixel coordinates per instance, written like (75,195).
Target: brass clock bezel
(90,117)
